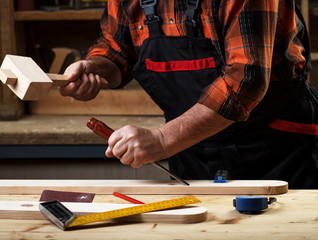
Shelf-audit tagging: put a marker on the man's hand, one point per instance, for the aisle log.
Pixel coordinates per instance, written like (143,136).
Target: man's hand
(136,146)
(83,86)
(85,77)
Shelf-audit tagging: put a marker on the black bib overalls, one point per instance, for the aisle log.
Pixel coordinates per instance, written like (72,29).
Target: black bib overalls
(175,70)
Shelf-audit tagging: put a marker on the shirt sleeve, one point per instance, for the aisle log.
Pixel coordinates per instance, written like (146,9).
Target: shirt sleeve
(249,31)
(115,41)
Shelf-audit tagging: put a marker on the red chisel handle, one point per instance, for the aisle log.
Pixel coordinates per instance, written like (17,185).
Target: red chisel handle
(100,128)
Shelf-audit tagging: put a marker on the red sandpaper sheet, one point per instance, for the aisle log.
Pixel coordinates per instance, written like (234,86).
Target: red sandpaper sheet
(50,195)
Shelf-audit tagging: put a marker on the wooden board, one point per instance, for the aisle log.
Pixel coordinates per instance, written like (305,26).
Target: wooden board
(292,217)
(130,100)
(87,14)
(144,186)
(25,210)
(11,108)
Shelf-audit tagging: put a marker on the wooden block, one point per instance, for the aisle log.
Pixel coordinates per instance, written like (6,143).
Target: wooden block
(33,83)
(30,211)
(262,187)
(8,77)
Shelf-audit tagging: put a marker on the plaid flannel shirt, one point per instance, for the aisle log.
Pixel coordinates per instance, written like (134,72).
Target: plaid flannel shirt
(259,41)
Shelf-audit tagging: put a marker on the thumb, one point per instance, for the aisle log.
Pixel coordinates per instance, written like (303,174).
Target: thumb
(74,71)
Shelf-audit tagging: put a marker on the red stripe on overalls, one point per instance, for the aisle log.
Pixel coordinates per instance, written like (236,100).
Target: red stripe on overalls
(294,127)
(188,65)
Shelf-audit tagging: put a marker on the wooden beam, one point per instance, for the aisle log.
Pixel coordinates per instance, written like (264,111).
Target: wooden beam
(63,15)
(144,186)
(305,11)
(11,107)
(314,56)
(131,100)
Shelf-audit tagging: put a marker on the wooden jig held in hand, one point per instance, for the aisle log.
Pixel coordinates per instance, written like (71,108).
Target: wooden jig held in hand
(27,80)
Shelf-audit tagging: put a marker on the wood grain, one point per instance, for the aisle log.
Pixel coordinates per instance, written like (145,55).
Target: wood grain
(11,108)
(292,217)
(107,102)
(144,186)
(89,14)
(28,210)
(33,83)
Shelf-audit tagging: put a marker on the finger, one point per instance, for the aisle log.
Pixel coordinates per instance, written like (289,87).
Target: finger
(109,152)
(74,71)
(126,159)
(94,85)
(99,81)
(70,88)
(73,76)
(98,85)
(81,91)
(113,139)
(119,149)
(136,164)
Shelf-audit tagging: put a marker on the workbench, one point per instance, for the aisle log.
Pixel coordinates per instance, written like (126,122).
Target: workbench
(293,216)
(63,147)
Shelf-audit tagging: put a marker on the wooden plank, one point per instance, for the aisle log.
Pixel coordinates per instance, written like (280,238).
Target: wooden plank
(144,186)
(127,101)
(7,41)
(314,56)
(63,15)
(30,211)
(305,11)
(293,216)
(11,108)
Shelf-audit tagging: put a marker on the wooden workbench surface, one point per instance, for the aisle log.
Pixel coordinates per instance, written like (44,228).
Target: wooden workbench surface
(52,129)
(293,216)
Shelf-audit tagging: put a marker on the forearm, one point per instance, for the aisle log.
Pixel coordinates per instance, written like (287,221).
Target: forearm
(195,125)
(105,68)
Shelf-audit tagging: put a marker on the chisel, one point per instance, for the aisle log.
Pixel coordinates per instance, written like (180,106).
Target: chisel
(104,131)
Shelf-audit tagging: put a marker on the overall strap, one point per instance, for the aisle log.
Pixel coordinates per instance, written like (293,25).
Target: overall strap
(192,20)
(151,20)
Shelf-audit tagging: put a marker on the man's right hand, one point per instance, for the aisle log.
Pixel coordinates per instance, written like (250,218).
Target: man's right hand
(85,77)
(84,85)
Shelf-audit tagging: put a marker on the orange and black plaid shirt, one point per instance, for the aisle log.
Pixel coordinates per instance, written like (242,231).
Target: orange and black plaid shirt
(259,41)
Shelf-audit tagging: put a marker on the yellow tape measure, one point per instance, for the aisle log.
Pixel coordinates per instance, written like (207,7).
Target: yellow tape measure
(96,217)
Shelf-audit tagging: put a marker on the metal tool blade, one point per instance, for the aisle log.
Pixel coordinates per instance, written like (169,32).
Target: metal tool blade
(169,173)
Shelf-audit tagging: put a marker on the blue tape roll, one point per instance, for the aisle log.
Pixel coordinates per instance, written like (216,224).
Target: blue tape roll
(250,203)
